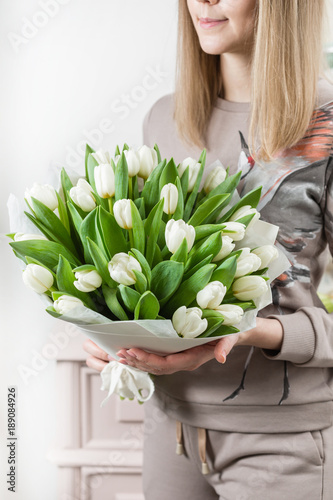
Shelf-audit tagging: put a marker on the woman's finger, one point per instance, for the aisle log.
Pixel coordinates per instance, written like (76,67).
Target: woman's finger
(96,363)
(166,365)
(224,346)
(91,348)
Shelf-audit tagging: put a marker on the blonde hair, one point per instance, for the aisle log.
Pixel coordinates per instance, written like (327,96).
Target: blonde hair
(287,58)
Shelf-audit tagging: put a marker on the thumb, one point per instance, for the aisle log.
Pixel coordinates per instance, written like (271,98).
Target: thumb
(224,346)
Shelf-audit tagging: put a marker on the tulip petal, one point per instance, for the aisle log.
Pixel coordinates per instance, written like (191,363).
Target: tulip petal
(252,198)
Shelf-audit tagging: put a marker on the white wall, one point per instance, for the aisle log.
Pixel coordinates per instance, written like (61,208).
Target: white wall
(59,83)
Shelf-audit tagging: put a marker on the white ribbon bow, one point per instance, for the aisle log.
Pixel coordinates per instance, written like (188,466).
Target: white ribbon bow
(126,381)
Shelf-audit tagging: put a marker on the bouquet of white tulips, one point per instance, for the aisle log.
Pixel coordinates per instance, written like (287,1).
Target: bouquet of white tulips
(138,255)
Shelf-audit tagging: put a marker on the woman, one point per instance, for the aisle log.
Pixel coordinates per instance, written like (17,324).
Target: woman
(251,67)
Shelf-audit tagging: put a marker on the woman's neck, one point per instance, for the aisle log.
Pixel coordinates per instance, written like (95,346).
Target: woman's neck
(236,77)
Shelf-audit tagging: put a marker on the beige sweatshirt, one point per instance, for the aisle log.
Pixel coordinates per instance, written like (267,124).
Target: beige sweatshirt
(298,197)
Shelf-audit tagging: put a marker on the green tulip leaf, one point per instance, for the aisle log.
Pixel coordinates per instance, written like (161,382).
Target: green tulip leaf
(89,229)
(47,252)
(66,184)
(227,186)
(147,307)
(188,290)
(211,246)
(158,153)
(191,199)
(112,234)
(184,181)
(50,236)
(225,272)
(219,331)
(181,254)
(206,230)
(129,296)
(65,281)
(63,215)
(194,269)
(252,198)
(152,228)
(75,216)
(101,263)
(157,256)
(143,263)
(151,191)
(169,174)
(166,278)
(204,211)
(140,205)
(110,296)
(138,229)
(53,224)
(141,282)
(89,163)
(180,204)
(121,178)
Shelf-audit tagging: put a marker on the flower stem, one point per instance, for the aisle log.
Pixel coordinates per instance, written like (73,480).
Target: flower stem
(130,234)
(110,202)
(130,188)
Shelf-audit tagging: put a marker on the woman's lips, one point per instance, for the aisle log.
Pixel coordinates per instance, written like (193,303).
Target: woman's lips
(207,23)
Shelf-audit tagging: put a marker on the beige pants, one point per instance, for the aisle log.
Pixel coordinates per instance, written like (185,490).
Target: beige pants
(289,466)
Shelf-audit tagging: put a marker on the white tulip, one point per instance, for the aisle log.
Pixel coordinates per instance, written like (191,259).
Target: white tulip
(44,193)
(104,180)
(212,295)
(27,237)
(194,168)
(232,314)
(102,157)
(247,263)
(188,322)
(266,253)
(133,161)
(87,281)
(214,178)
(121,268)
(170,194)
(123,213)
(148,161)
(38,278)
(237,230)
(66,303)
(226,249)
(243,212)
(82,195)
(249,287)
(175,232)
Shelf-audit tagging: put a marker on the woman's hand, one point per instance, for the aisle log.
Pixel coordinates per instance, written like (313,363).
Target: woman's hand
(98,358)
(267,334)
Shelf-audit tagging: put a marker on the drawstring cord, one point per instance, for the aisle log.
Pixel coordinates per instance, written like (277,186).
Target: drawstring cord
(179,435)
(286,384)
(241,386)
(202,437)
(202,440)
